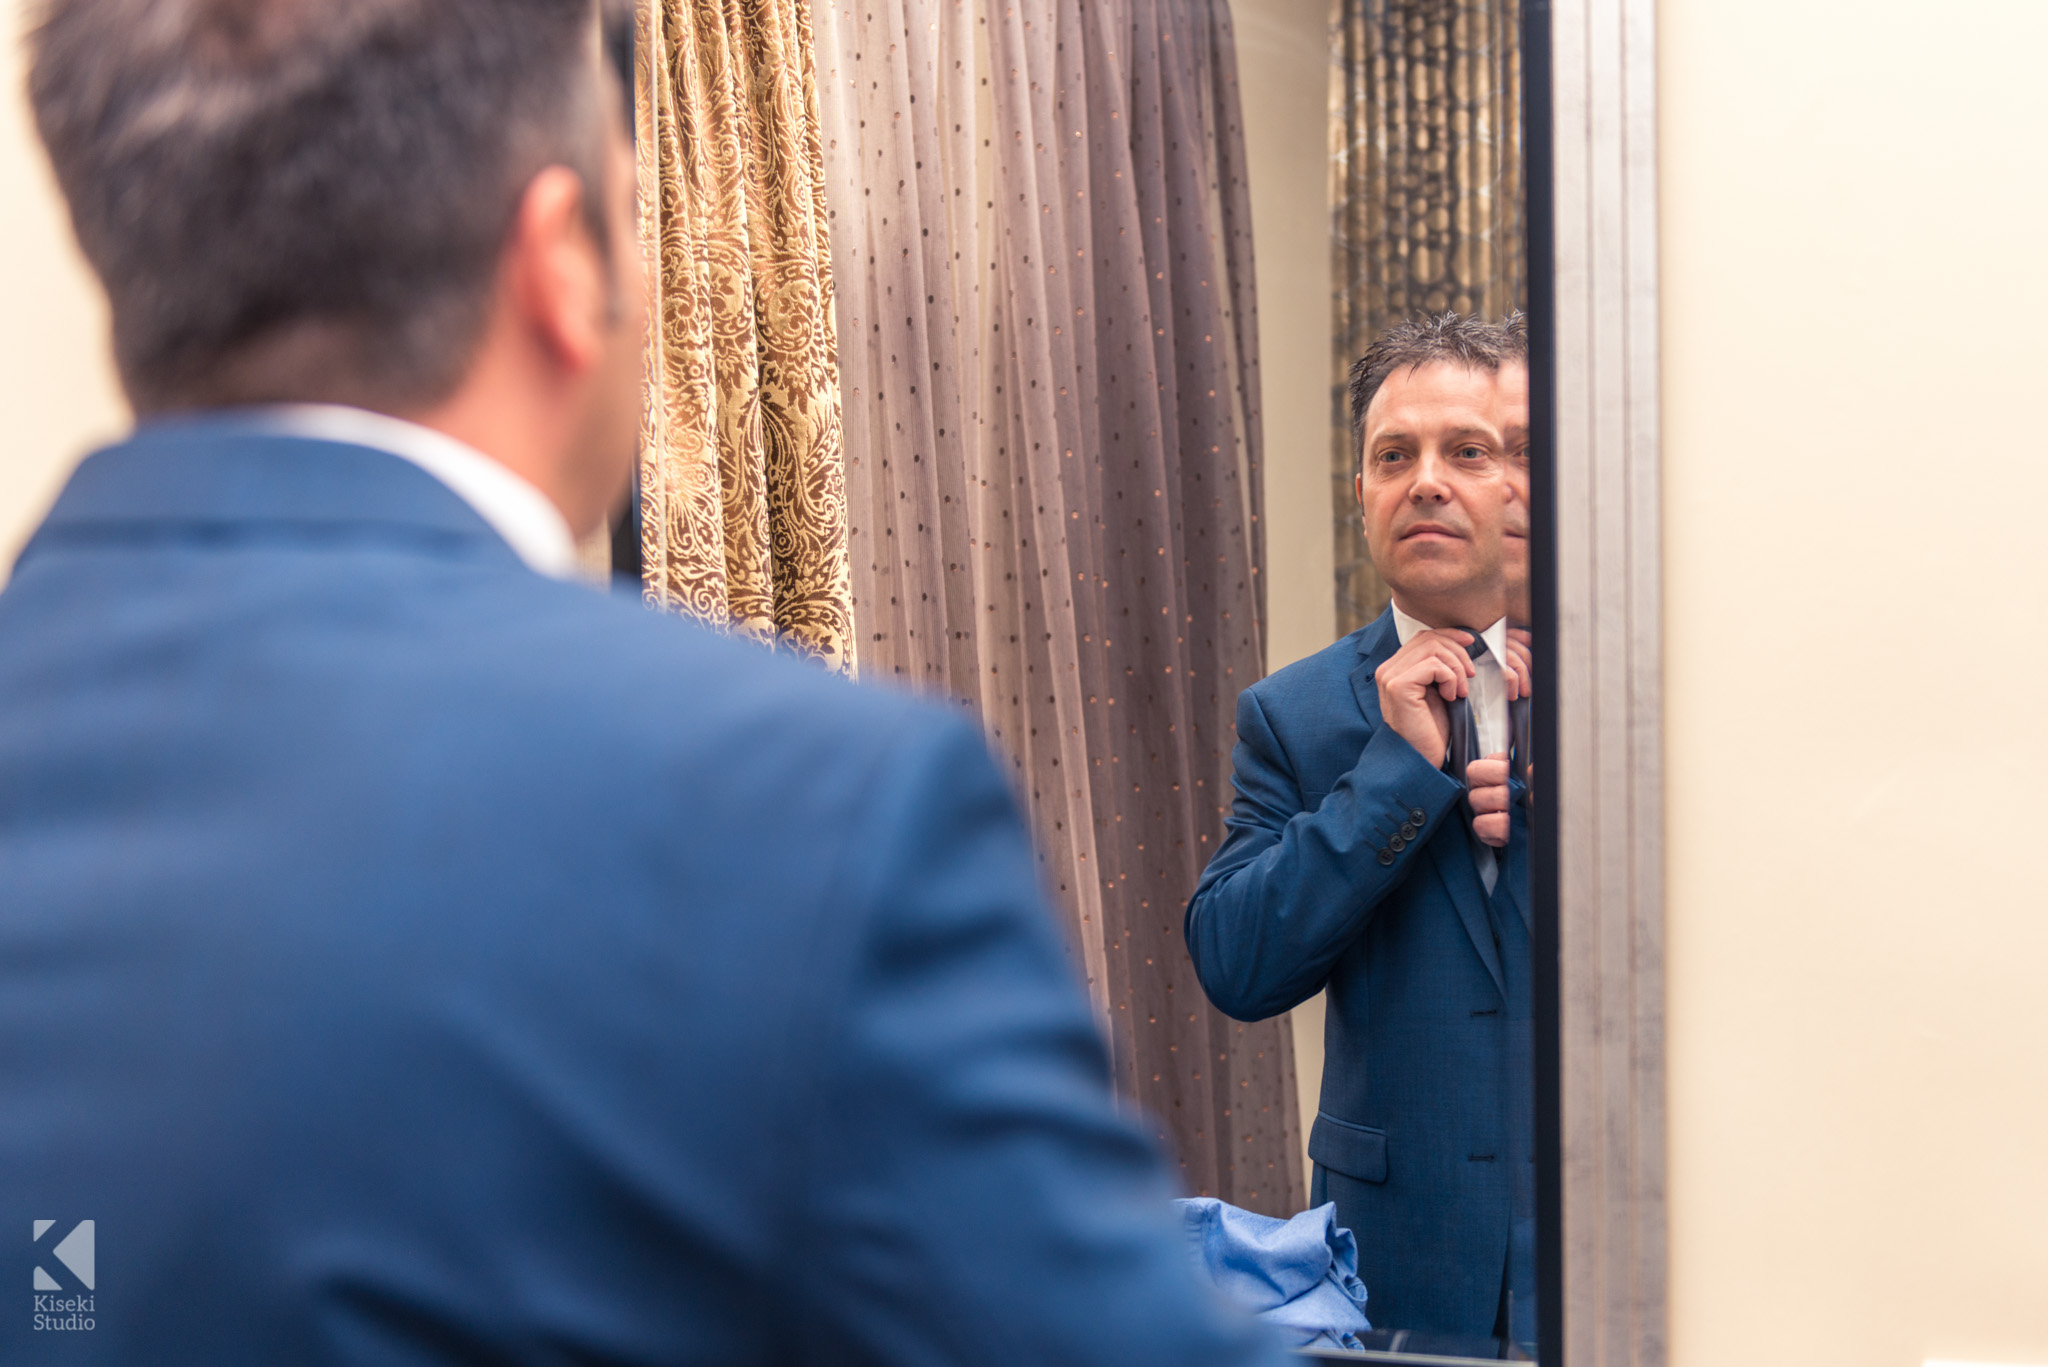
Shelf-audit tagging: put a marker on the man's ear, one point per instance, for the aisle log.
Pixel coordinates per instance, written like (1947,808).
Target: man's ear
(558,282)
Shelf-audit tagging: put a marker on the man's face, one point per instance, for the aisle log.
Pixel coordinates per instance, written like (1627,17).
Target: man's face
(1433,487)
(627,372)
(610,439)
(1513,393)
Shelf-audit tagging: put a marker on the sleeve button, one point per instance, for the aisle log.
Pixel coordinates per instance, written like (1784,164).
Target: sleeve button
(1418,816)
(1386,857)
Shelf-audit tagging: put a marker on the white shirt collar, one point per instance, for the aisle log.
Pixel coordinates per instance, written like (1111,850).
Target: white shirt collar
(1496,636)
(515,510)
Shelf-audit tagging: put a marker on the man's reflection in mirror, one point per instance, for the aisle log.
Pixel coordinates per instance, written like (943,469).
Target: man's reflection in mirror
(1514,398)
(1377,849)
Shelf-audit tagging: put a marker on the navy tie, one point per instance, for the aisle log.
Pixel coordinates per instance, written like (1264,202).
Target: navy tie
(1464,723)
(1465,746)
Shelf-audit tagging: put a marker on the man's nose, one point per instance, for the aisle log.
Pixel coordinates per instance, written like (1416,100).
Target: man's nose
(1432,484)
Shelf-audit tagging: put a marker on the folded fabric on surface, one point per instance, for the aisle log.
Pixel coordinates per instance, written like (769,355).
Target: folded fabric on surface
(1298,1275)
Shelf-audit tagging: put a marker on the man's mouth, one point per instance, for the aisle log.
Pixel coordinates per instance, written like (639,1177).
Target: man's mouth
(1429,529)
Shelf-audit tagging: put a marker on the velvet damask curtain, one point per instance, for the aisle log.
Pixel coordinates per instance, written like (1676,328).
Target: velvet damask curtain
(743,499)
(1426,192)
(1041,249)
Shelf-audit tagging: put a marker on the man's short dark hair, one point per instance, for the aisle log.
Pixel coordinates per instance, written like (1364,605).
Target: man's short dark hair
(1454,338)
(308,199)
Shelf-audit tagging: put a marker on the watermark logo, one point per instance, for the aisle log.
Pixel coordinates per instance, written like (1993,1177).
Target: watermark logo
(66,1275)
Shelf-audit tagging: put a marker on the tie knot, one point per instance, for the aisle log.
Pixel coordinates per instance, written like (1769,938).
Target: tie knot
(1477,650)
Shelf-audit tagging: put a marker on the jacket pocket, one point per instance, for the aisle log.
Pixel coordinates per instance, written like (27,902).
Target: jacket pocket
(1357,1151)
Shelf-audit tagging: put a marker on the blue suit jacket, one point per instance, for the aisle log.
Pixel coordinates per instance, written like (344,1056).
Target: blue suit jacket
(1317,886)
(405,958)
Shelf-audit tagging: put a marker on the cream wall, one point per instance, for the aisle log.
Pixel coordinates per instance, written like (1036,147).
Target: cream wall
(1283,63)
(1853,200)
(57,386)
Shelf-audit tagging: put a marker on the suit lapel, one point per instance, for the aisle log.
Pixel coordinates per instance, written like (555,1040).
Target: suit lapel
(1514,867)
(1449,850)
(1375,644)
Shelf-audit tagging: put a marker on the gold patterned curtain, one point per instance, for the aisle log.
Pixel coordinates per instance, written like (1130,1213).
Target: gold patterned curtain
(1426,196)
(743,496)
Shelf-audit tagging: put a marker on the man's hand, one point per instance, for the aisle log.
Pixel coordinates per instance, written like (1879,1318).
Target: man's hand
(1519,666)
(1418,684)
(1486,788)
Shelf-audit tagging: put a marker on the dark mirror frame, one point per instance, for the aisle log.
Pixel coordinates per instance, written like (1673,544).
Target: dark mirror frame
(1540,189)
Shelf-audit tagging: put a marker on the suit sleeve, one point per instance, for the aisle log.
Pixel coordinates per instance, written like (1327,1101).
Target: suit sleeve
(1291,889)
(972,1195)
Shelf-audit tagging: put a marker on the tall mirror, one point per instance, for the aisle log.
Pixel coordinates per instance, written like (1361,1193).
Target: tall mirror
(1376,870)
(1214,500)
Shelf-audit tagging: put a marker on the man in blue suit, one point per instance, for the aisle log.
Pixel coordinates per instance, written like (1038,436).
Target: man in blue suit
(1359,863)
(408,955)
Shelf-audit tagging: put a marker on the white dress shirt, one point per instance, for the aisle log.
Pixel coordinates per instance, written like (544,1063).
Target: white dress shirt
(1489,697)
(515,510)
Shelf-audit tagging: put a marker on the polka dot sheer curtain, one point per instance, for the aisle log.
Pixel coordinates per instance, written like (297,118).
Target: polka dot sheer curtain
(1041,249)
(1426,200)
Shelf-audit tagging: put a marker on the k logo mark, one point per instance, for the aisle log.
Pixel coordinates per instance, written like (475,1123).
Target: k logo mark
(64,1258)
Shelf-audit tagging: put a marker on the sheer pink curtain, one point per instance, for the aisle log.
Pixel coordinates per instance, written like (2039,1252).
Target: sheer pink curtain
(1041,249)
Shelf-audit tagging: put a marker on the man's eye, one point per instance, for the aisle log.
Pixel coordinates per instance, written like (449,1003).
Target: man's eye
(1473,453)
(1389,457)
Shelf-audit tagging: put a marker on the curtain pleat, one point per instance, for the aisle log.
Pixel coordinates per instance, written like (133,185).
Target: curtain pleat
(1426,197)
(1045,305)
(743,497)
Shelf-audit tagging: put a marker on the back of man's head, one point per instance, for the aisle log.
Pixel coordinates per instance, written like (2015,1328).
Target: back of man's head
(305,200)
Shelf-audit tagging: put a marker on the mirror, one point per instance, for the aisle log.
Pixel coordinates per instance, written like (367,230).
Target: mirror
(1377,863)
(1098,387)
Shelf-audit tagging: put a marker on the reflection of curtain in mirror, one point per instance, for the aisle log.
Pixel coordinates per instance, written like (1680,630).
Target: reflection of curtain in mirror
(1426,196)
(1041,245)
(742,484)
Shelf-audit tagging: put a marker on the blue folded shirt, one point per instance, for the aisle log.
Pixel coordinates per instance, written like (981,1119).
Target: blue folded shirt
(1298,1275)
